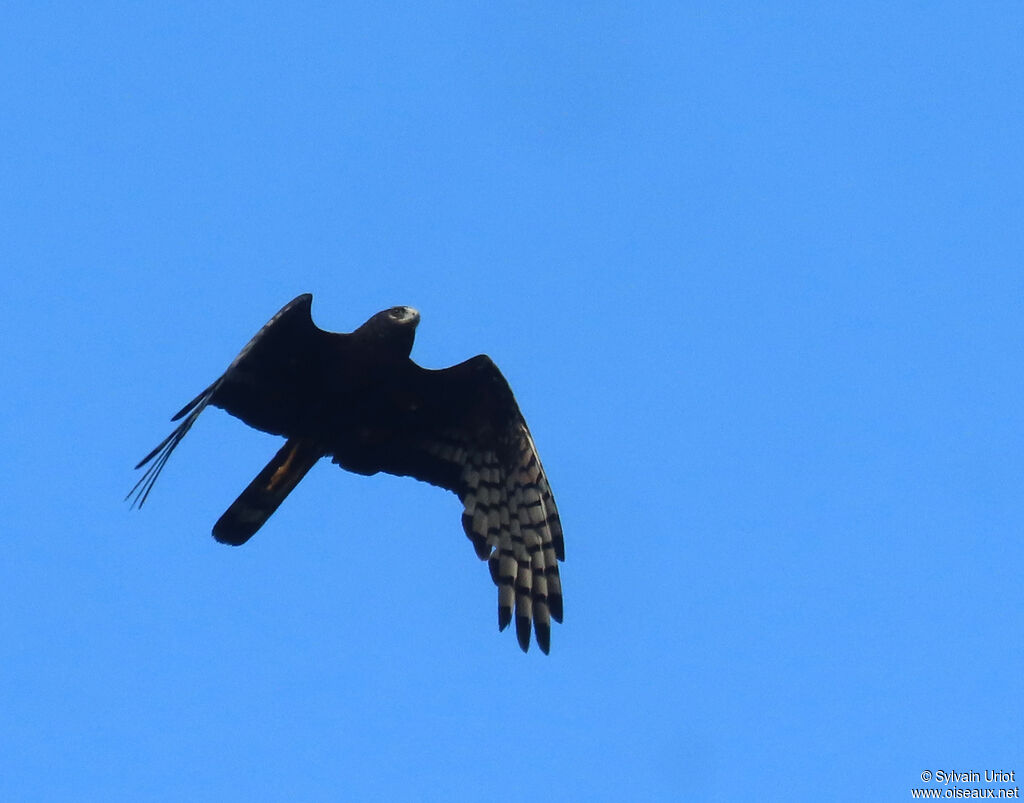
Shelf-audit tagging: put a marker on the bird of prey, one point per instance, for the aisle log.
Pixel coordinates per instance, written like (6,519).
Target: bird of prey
(358,399)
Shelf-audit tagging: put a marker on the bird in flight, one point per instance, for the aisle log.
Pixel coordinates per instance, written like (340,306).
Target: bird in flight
(358,399)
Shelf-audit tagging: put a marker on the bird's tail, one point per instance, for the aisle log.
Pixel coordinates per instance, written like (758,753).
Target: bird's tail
(265,493)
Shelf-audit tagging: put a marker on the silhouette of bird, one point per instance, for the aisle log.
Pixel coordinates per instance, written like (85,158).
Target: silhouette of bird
(359,399)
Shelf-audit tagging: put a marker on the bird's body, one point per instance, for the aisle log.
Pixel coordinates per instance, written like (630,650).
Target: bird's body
(358,399)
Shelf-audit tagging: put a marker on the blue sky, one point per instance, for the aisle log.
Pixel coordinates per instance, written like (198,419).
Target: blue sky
(753,272)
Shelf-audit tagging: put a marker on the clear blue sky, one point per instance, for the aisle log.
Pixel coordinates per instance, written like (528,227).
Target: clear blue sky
(754,272)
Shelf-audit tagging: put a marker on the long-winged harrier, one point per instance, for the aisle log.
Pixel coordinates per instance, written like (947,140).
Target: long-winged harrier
(358,399)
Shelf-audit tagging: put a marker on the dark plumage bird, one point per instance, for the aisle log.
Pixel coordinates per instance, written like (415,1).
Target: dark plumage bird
(358,399)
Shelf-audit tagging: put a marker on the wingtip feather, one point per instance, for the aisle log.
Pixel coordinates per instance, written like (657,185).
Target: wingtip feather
(555,606)
(543,631)
(523,632)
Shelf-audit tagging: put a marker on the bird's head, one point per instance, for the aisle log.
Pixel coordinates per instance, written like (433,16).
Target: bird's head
(392,329)
(401,316)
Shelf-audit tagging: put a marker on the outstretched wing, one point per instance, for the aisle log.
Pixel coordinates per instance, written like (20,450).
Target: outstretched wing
(250,388)
(470,437)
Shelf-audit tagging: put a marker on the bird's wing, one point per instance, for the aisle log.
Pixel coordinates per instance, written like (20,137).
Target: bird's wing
(469,436)
(264,359)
